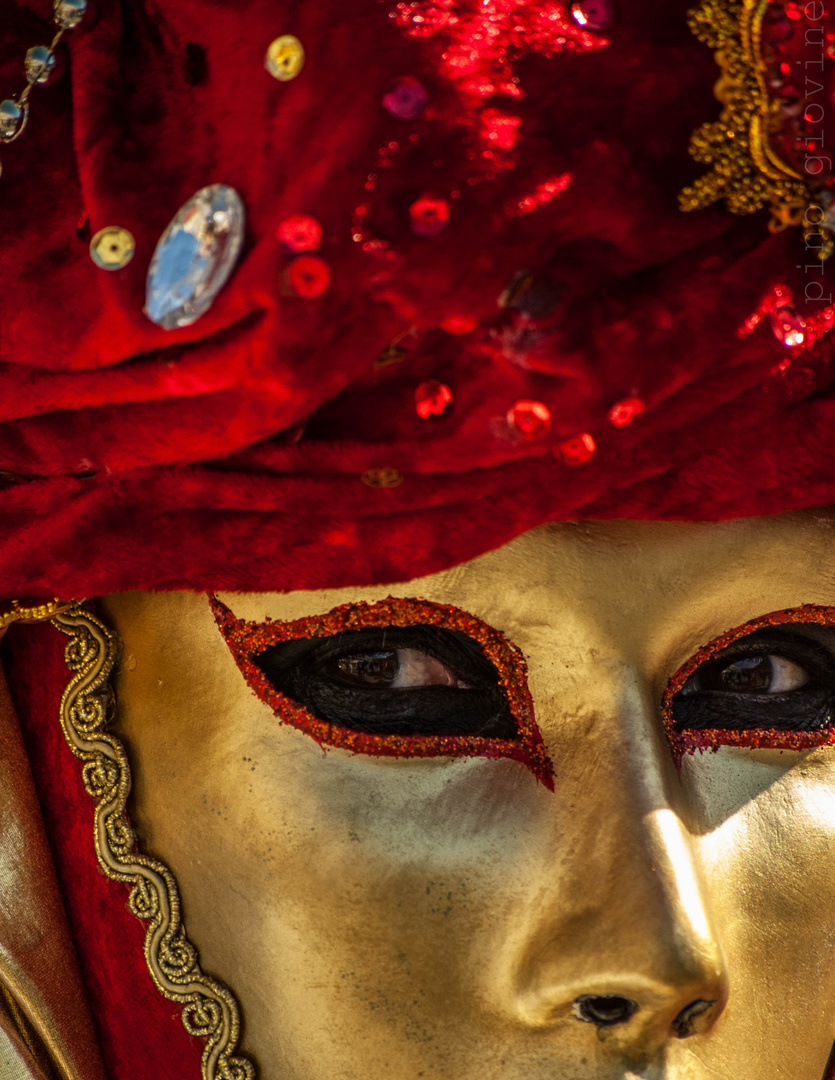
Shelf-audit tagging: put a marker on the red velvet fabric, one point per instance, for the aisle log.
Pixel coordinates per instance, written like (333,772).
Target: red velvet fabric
(137,457)
(139,1031)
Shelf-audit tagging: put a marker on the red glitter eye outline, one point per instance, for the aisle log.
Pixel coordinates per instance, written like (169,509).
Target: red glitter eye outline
(688,741)
(246,640)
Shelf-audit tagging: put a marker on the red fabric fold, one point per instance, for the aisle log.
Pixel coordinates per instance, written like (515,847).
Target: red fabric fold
(136,457)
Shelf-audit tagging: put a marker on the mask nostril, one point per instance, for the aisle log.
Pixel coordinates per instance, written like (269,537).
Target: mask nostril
(604,1010)
(685,1023)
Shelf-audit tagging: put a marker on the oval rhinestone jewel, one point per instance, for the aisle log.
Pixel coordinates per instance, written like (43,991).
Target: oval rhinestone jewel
(69,13)
(12,120)
(285,58)
(194,257)
(39,64)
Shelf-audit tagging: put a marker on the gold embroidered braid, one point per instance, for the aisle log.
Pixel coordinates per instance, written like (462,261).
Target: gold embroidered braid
(14,611)
(210,1011)
(746,172)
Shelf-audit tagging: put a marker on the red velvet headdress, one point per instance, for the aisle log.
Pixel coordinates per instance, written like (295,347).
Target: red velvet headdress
(496,186)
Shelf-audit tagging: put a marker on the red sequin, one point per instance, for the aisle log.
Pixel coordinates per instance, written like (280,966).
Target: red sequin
(622,413)
(687,742)
(459,324)
(578,450)
(247,640)
(543,193)
(529,419)
(405,98)
(428,215)
(432,399)
(300,232)
(309,276)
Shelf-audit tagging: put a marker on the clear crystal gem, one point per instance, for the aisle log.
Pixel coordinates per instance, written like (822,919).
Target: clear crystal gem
(12,119)
(789,327)
(593,14)
(39,64)
(69,13)
(194,257)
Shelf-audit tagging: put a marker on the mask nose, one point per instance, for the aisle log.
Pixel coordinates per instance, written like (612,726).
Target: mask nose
(618,940)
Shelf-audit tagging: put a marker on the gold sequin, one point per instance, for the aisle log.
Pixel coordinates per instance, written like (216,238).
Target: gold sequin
(112,247)
(285,58)
(383,477)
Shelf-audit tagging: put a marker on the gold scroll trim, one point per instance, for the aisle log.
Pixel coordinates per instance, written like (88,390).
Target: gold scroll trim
(209,1009)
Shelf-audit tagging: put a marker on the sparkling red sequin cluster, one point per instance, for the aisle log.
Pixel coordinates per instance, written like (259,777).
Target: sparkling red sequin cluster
(796,332)
(246,640)
(688,741)
(478,47)
(484,41)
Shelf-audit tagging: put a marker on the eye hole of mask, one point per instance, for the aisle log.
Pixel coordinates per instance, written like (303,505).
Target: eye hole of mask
(780,678)
(405,681)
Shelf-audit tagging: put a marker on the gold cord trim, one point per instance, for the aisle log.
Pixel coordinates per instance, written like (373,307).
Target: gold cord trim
(209,1009)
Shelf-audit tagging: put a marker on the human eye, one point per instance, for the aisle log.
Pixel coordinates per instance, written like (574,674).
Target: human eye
(407,681)
(770,683)
(398,678)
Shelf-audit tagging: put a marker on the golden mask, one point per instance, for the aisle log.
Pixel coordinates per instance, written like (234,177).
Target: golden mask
(451,909)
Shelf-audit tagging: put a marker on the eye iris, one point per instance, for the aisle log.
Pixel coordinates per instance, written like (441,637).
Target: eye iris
(750,673)
(370,669)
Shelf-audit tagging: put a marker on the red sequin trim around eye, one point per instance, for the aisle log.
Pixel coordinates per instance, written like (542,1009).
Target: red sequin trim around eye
(688,741)
(247,639)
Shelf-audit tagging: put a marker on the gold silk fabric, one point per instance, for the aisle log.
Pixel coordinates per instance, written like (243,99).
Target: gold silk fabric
(46,1031)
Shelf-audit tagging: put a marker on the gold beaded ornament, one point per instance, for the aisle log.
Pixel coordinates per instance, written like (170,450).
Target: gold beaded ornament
(747,171)
(19,611)
(38,66)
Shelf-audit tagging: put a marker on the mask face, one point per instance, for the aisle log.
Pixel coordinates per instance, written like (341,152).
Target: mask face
(565,811)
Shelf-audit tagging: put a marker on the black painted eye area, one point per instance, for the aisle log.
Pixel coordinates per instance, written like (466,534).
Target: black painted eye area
(405,681)
(780,678)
